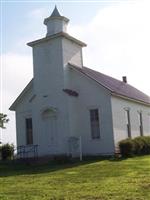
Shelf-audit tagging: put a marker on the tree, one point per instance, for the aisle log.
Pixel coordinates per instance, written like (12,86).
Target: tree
(3,120)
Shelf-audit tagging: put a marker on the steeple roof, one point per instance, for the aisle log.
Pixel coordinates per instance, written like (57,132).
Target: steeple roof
(55,13)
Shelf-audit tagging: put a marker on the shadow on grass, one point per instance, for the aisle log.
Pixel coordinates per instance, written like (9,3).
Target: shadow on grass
(12,168)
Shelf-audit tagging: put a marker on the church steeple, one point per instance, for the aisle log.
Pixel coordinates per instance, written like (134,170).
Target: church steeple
(55,13)
(56,23)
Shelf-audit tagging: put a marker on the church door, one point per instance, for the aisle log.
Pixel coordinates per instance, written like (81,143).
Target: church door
(50,131)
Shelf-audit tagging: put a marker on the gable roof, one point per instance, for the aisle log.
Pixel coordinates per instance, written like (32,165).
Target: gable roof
(25,90)
(116,87)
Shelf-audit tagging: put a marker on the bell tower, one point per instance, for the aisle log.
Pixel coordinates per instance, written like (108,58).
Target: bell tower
(52,53)
(56,23)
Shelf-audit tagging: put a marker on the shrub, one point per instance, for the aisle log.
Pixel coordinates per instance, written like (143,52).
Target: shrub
(137,146)
(126,147)
(142,145)
(7,151)
(146,140)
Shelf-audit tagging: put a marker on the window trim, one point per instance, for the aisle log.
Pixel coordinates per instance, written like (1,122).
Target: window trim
(140,123)
(27,133)
(89,113)
(128,122)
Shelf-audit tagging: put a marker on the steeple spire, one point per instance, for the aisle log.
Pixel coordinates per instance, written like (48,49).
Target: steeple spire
(56,23)
(55,12)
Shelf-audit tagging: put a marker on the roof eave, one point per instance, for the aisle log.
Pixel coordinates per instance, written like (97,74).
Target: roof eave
(14,104)
(130,99)
(72,66)
(111,91)
(62,34)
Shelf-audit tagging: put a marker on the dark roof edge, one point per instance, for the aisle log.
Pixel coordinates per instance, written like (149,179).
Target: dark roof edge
(130,99)
(31,44)
(75,67)
(28,86)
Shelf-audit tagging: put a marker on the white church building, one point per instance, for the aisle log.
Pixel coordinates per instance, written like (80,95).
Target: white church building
(67,100)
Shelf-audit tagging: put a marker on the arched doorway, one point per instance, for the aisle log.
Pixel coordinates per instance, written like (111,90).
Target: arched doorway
(49,118)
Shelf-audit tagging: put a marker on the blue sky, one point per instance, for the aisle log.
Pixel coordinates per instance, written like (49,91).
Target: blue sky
(16,17)
(116,32)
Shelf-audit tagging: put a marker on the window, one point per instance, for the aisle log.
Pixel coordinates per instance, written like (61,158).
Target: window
(29,131)
(128,124)
(94,119)
(140,123)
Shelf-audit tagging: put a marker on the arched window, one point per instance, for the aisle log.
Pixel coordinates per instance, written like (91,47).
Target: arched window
(49,112)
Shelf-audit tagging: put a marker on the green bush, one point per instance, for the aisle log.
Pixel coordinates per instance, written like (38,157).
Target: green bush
(147,144)
(7,151)
(137,146)
(126,147)
(142,145)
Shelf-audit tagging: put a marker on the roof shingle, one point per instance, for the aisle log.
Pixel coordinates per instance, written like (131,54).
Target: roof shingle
(114,85)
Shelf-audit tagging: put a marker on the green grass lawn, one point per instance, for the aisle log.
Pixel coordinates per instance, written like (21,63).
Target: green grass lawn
(105,179)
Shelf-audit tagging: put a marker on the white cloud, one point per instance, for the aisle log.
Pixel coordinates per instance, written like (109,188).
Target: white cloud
(38,13)
(16,73)
(118,42)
